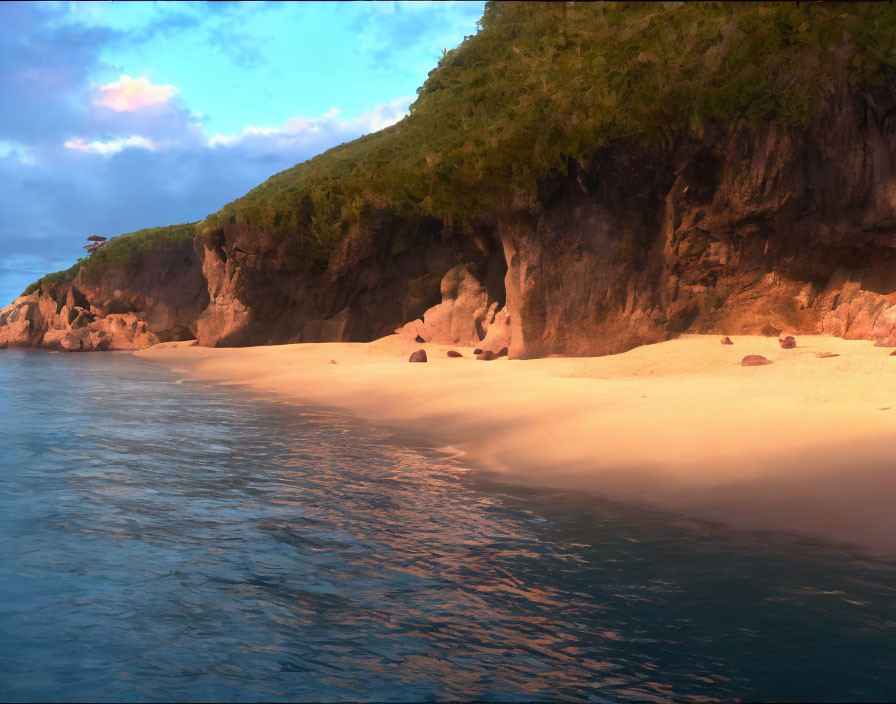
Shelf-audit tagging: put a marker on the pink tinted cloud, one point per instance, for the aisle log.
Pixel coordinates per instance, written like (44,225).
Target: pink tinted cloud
(128,94)
(112,146)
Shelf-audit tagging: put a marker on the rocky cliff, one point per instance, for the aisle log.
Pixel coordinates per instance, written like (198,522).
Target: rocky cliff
(156,296)
(733,230)
(736,229)
(733,226)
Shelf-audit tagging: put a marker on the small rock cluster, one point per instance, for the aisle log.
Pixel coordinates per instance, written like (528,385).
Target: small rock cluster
(485,355)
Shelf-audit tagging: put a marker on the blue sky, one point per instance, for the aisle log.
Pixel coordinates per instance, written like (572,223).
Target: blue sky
(118,116)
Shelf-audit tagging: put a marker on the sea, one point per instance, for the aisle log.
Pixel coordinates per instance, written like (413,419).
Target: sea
(166,539)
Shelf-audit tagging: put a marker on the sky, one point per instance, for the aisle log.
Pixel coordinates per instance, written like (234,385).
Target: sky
(115,116)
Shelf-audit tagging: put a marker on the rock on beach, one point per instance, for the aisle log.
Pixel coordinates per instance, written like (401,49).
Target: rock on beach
(754,360)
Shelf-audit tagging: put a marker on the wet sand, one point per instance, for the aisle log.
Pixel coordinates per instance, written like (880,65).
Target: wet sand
(804,445)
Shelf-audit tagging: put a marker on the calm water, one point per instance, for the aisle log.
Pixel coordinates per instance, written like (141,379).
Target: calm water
(173,540)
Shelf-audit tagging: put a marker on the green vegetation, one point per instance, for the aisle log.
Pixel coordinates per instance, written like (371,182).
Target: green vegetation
(50,281)
(119,251)
(544,82)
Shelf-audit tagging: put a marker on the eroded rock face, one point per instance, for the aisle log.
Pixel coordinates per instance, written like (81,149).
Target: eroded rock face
(732,231)
(465,316)
(155,298)
(378,277)
(72,329)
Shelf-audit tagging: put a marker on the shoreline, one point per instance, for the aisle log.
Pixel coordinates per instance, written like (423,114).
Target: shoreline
(802,446)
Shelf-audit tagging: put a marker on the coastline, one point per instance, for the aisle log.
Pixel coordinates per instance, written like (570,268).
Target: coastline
(803,445)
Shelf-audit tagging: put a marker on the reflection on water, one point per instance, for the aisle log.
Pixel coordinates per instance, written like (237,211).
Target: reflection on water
(169,540)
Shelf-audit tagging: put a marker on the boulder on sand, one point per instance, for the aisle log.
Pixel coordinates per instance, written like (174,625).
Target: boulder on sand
(727,340)
(418,356)
(788,343)
(478,350)
(754,360)
(419,339)
(454,353)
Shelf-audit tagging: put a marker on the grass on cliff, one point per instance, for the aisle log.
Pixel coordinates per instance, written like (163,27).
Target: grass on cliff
(117,252)
(542,82)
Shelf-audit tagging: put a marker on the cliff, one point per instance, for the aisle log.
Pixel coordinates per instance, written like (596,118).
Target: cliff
(738,201)
(146,289)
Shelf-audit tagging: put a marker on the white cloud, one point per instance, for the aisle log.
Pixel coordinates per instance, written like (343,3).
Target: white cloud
(112,146)
(298,134)
(298,129)
(384,115)
(129,94)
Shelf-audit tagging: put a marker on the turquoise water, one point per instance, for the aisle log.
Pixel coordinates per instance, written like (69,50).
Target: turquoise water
(165,539)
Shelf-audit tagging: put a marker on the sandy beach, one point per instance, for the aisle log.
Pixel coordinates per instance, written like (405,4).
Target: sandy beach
(803,445)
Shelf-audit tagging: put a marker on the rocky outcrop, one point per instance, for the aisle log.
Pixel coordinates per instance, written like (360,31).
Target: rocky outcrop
(38,320)
(464,317)
(155,298)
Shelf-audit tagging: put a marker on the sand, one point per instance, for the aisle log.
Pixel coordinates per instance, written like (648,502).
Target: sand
(804,445)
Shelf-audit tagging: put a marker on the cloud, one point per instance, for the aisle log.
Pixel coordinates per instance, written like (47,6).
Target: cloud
(72,163)
(128,94)
(45,76)
(177,130)
(162,170)
(112,146)
(299,134)
(387,114)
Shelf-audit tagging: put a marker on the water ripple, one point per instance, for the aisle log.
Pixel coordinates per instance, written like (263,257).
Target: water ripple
(166,540)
